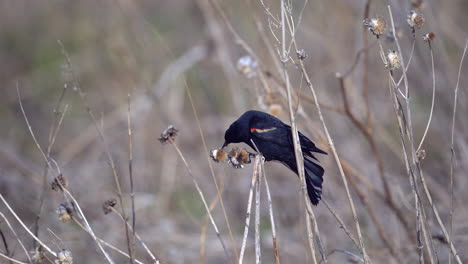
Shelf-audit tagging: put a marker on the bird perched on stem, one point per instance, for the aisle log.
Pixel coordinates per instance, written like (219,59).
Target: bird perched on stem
(273,139)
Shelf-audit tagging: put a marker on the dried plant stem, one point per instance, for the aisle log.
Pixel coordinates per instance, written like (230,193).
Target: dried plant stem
(202,196)
(11,259)
(433,99)
(153,257)
(130,173)
(258,245)
(206,221)
(255,175)
(63,187)
(26,228)
(111,246)
(102,138)
(210,164)
(335,154)
(340,222)
(295,134)
(452,149)
(272,218)
(17,238)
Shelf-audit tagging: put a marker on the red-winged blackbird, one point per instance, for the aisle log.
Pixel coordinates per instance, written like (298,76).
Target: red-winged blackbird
(273,139)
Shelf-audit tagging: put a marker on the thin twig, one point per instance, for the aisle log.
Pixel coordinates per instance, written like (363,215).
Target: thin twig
(452,149)
(11,259)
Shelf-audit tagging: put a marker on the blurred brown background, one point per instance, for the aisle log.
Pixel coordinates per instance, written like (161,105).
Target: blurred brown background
(155,50)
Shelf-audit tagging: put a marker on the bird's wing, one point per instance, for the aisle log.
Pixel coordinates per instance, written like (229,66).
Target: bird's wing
(276,135)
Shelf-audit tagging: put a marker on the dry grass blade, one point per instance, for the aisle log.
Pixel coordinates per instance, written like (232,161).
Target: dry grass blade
(130,173)
(11,259)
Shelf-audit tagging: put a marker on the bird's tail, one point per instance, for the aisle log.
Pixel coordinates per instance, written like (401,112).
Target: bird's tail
(314,179)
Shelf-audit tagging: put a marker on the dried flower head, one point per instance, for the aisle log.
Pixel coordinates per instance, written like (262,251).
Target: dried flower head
(247,66)
(64,212)
(108,205)
(376,25)
(59,182)
(421,154)
(38,255)
(393,60)
(238,157)
(275,109)
(429,37)
(415,20)
(64,257)
(219,155)
(168,135)
(301,54)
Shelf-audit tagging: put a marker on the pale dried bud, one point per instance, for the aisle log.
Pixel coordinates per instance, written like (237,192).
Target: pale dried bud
(393,60)
(415,20)
(376,25)
(64,213)
(301,54)
(429,37)
(421,154)
(38,255)
(247,66)
(275,109)
(219,155)
(64,257)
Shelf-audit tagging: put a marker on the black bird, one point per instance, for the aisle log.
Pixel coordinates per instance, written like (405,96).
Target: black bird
(273,139)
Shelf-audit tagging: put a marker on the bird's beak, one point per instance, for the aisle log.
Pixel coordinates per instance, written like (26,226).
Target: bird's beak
(225,144)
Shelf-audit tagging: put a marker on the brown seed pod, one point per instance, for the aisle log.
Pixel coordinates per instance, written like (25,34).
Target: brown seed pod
(238,157)
(168,135)
(219,155)
(108,205)
(59,182)
(64,213)
(429,36)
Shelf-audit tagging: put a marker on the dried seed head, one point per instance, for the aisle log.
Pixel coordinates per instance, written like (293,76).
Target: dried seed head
(247,66)
(64,213)
(376,25)
(393,60)
(275,109)
(301,54)
(59,182)
(38,255)
(429,37)
(421,154)
(108,205)
(219,155)
(168,135)
(64,257)
(415,20)
(238,157)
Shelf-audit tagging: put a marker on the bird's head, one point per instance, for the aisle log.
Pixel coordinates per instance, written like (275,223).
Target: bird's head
(236,133)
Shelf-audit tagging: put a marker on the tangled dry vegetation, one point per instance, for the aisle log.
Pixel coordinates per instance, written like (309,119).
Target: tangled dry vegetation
(380,86)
